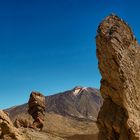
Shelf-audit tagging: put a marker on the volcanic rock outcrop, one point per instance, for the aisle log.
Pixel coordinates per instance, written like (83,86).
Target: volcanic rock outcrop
(36,109)
(119,62)
(7,129)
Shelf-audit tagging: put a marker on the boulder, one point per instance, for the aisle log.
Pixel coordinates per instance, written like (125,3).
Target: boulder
(119,63)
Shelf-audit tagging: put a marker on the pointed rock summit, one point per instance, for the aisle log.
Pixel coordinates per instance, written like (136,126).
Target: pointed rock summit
(119,62)
(78,89)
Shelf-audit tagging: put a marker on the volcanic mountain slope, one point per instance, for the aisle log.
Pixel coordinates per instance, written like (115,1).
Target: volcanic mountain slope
(70,115)
(80,103)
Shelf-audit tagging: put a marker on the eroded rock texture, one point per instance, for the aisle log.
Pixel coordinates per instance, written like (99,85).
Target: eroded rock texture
(119,62)
(22,122)
(36,109)
(7,129)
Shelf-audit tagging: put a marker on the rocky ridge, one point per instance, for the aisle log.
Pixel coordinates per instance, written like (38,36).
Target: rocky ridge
(119,55)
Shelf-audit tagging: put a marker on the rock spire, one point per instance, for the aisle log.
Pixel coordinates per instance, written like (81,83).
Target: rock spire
(119,63)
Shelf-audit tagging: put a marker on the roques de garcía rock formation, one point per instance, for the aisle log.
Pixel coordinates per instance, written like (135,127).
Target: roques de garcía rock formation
(119,62)
(36,105)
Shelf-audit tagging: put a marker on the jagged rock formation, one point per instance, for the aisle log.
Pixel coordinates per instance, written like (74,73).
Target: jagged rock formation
(36,109)
(7,129)
(119,62)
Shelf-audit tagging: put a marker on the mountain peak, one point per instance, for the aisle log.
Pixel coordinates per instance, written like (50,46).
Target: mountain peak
(78,89)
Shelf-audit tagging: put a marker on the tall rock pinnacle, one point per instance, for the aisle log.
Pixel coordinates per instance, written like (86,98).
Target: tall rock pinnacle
(36,109)
(119,63)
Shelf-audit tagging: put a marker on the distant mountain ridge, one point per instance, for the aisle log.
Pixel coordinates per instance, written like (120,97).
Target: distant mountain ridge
(80,103)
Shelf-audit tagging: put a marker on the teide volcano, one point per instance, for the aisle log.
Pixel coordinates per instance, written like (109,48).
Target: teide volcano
(70,115)
(80,103)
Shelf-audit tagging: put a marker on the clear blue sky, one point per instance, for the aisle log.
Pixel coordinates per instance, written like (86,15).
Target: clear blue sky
(49,45)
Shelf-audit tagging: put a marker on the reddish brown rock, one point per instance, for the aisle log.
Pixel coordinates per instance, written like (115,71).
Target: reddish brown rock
(119,62)
(36,109)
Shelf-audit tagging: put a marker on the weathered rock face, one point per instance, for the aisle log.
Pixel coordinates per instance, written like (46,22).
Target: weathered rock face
(37,109)
(8,131)
(22,122)
(119,62)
